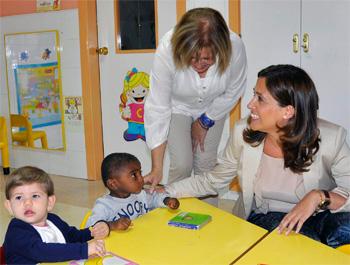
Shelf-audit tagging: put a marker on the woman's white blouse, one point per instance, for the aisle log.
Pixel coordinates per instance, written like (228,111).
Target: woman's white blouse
(182,91)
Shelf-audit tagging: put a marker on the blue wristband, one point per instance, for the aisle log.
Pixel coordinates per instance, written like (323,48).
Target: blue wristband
(206,121)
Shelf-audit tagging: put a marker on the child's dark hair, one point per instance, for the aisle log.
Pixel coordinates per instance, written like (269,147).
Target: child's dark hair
(113,163)
(28,175)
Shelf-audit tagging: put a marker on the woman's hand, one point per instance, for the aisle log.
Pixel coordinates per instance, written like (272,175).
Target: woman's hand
(300,213)
(198,135)
(156,174)
(154,177)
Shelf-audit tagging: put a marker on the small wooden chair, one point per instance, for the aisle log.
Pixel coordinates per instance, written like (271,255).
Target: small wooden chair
(28,136)
(4,146)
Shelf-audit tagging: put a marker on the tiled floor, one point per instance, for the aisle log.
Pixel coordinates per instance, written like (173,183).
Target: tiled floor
(75,197)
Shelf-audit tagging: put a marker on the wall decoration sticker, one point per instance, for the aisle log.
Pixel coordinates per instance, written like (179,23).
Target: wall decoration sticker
(136,87)
(73,114)
(48,5)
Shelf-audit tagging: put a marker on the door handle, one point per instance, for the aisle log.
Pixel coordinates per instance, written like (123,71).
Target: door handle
(305,43)
(102,51)
(295,43)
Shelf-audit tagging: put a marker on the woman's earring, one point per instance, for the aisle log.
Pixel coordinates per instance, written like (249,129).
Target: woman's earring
(284,117)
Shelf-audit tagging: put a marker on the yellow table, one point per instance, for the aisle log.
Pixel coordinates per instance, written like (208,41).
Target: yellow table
(292,249)
(151,241)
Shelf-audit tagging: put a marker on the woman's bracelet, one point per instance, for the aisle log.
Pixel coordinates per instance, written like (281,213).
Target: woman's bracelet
(202,125)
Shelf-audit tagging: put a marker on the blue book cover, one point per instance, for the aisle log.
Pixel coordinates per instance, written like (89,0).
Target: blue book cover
(190,220)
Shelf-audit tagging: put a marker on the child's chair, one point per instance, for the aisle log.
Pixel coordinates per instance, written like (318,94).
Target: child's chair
(2,256)
(345,249)
(4,146)
(28,136)
(82,226)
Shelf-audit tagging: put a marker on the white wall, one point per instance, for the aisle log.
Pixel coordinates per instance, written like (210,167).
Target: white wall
(71,162)
(267,32)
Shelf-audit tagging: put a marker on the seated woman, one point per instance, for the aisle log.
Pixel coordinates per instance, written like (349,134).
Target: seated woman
(293,168)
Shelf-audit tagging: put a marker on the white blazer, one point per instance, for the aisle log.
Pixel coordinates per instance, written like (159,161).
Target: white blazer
(329,171)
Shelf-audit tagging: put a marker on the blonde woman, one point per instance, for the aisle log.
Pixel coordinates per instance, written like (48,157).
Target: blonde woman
(198,75)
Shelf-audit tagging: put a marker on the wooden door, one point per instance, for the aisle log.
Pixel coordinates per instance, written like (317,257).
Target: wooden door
(114,69)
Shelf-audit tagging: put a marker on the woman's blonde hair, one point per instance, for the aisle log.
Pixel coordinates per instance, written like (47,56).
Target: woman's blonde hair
(201,28)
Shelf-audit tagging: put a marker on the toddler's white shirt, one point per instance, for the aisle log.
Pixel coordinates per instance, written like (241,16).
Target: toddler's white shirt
(50,233)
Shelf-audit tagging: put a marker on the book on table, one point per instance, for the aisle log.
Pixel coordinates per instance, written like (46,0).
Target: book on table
(190,220)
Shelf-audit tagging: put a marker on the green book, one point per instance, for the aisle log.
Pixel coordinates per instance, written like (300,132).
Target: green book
(190,220)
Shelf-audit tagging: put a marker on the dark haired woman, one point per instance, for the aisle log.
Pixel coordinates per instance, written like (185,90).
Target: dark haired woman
(293,168)
(198,75)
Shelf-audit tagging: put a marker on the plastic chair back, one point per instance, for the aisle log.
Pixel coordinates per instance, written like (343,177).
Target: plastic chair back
(27,136)
(22,121)
(4,146)
(82,225)
(345,249)
(2,256)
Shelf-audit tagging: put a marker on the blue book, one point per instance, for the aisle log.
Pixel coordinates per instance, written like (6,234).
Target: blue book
(190,220)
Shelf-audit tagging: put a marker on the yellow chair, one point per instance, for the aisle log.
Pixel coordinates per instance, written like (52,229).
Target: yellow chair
(28,136)
(345,249)
(82,226)
(4,146)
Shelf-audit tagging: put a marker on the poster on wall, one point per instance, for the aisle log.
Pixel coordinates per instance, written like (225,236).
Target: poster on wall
(48,5)
(38,95)
(34,81)
(33,63)
(73,114)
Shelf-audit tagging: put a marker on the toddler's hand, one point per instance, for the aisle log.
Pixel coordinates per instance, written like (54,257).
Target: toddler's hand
(173,203)
(97,247)
(99,230)
(121,224)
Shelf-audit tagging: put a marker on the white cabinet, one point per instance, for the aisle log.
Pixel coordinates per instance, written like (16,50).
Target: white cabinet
(267,31)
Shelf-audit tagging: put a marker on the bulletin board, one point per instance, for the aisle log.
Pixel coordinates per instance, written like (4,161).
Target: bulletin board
(34,79)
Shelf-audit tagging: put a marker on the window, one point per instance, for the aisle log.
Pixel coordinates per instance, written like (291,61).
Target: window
(136,28)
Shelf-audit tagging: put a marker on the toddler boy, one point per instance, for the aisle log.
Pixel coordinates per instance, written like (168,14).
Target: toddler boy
(126,200)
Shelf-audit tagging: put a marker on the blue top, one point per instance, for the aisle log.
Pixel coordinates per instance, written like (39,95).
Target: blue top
(23,244)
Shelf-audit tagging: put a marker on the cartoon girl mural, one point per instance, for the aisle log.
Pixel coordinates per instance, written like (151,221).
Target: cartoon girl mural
(136,87)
